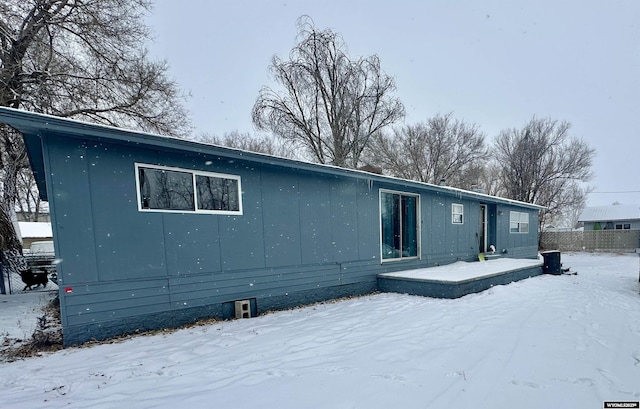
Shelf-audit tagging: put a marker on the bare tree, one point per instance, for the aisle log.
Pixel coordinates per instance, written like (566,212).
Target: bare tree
(575,201)
(542,164)
(13,160)
(248,142)
(330,104)
(440,149)
(28,201)
(81,59)
(489,178)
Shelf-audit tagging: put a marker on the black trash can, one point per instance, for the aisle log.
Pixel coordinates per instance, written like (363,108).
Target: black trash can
(552,263)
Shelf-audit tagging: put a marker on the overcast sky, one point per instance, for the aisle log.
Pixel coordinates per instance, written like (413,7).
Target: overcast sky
(494,63)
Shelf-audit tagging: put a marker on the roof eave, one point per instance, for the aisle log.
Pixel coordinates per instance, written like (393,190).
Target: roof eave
(30,123)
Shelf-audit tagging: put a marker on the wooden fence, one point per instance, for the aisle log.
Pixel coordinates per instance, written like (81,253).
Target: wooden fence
(592,240)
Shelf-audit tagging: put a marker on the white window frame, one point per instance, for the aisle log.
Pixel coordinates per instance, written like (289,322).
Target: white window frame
(454,213)
(520,219)
(193,173)
(623,226)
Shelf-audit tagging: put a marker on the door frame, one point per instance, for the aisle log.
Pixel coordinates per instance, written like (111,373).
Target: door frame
(484,222)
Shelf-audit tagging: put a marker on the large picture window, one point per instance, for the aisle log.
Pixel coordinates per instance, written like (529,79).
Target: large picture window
(518,222)
(180,190)
(399,222)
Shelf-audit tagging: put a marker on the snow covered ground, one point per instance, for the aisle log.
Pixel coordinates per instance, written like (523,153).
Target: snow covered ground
(19,314)
(568,341)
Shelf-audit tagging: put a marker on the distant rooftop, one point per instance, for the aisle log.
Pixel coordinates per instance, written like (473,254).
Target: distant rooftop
(610,213)
(35,230)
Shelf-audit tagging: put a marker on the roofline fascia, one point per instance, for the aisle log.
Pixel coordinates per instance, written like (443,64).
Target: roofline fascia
(36,123)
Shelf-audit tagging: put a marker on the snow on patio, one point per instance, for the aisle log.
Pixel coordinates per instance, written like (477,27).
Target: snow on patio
(569,341)
(463,271)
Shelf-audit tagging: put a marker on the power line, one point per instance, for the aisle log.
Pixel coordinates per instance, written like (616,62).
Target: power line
(623,191)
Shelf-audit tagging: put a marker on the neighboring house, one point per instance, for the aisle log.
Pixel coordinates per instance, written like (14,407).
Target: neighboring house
(157,232)
(43,216)
(34,231)
(614,217)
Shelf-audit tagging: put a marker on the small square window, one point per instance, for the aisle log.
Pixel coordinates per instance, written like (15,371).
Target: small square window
(457,213)
(518,222)
(627,226)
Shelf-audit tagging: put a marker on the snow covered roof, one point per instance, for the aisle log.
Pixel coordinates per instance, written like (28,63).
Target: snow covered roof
(35,230)
(610,213)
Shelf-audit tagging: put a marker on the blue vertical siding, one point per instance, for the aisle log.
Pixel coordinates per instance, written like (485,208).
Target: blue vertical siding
(281,216)
(191,249)
(242,237)
(315,212)
(368,222)
(344,220)
(116,219)
(68,180)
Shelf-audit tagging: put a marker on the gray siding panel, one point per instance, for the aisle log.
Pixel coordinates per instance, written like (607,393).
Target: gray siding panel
(519,245)
(242,237)
(242,243)
(315,212)
(70,204)
(436,222)
(344,220)
(368,222)
(124,309)
(117,220)
(360,271)
(104,302)
(281,213)
(191,248)
(228,286)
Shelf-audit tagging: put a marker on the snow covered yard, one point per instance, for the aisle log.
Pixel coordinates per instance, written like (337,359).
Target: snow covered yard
(19,313)
(568,341)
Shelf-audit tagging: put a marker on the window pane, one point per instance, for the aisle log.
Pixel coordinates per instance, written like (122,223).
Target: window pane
(457,211)
(409,227)
(399,225)
(165,189)
(513,227)
(627,226)
(217,193)
(390,220)
(524,227)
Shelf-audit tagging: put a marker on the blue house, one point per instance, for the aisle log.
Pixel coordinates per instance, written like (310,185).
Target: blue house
(156,232)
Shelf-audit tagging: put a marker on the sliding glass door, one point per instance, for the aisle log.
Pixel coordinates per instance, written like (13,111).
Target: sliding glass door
(399,225)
